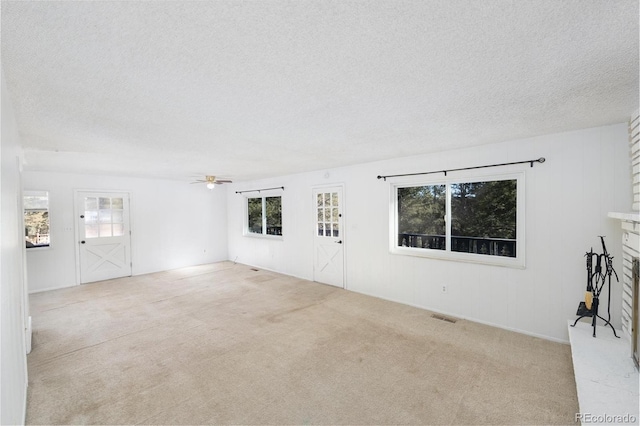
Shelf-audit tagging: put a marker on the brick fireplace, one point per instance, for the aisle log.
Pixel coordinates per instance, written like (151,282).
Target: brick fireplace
(630,222)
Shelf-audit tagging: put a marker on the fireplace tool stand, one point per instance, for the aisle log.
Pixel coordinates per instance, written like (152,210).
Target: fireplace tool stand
(593,290)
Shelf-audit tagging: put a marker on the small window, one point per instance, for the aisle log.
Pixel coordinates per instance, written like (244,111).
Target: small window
(36,218)
(264,215)
(472,220)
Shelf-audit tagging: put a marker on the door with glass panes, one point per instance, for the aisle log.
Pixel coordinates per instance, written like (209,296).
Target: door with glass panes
(104,238)
(328,266)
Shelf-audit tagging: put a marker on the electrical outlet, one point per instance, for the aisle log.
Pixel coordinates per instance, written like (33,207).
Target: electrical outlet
(444,288)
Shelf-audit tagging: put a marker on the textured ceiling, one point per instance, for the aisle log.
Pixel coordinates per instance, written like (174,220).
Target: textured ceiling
(248,89)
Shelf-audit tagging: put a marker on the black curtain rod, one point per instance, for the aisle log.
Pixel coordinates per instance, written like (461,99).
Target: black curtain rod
(258,190)
(539,160)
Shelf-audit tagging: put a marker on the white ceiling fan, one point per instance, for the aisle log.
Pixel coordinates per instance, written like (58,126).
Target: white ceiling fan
(211,181)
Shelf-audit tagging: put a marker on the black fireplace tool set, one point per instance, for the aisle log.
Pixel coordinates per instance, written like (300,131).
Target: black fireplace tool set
(597,278)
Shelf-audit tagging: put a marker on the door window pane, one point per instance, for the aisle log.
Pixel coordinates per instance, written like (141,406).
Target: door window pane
(90,217)
(118,229)
(105,230)
(116,216)
(117,203)
(91,231)
(91,203)
(104,203)
(105,216)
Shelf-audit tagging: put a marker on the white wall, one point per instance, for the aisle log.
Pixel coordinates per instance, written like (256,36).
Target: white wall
(173,224)
(585,176)
(13,295)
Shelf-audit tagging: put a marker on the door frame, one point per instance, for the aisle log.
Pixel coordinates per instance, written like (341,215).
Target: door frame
(76,234)
(314,230)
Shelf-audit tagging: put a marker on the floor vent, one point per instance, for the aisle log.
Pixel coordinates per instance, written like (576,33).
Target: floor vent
(254,269)
(443,318)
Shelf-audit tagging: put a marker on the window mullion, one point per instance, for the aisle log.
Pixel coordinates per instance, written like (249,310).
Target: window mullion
(447,218)
(264,217)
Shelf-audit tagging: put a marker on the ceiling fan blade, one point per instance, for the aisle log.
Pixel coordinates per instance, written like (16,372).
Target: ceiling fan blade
(199,181)
(224,181)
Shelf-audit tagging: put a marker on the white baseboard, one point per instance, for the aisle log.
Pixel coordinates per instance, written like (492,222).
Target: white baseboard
(52,288)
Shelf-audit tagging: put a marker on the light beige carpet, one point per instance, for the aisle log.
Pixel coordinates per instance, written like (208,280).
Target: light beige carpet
(225,344)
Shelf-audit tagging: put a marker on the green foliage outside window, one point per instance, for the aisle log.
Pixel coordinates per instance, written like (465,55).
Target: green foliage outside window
(255,215)
(264,215)
(36,218)
(484,209)
(483,217)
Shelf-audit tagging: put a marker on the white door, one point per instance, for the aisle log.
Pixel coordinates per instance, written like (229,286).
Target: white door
(328,266)
(104,237)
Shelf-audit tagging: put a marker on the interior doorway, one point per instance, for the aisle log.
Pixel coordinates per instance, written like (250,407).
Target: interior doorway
(104,235)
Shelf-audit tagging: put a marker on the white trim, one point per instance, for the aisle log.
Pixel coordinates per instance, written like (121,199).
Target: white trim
(447,254)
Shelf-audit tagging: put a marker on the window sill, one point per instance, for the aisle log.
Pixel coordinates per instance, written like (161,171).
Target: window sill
(263,236)
(509,262)
(38,248)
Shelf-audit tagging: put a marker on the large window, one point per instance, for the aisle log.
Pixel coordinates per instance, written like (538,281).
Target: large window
(473,220)
(36,218)
(264,215)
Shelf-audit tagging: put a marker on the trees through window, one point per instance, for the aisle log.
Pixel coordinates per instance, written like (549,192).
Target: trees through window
(264,215)
(478,218)
(36,218)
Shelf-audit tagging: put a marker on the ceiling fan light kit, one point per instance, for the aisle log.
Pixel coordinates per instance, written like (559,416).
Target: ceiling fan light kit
(211,181)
